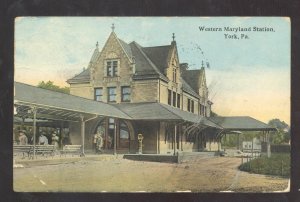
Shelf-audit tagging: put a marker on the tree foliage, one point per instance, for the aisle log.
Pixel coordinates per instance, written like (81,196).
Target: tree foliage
(283,133)
(51,86)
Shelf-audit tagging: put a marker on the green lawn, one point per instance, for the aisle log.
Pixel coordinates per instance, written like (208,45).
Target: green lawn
(278,164)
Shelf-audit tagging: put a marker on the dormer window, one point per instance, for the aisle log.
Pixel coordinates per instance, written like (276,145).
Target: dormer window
(112,68)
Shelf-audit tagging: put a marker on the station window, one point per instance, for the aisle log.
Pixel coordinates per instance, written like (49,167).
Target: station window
(174,75)
(192,106)
(98,93)
(111,94)
(126,91)
(169,97)
(178,100)
(112,68)
(174,99)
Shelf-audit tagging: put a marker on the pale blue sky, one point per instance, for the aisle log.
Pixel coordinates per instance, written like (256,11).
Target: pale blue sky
(246,77)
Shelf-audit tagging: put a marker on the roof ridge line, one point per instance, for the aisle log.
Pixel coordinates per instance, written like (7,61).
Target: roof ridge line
(156,46)
(122,46)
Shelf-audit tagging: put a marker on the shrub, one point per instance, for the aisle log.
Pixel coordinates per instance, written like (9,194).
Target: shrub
(277,164)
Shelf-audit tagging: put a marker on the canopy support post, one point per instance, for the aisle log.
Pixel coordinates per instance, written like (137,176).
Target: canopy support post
(268,144)
(82,134)
(115,137)
(34,110)
(175,134)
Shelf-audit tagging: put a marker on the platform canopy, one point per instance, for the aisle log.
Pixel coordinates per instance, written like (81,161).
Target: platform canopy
(53,105)
(240,123)
(153,111)
(59,106)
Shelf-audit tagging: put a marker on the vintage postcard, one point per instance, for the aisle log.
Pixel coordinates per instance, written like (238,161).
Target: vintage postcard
(152,104)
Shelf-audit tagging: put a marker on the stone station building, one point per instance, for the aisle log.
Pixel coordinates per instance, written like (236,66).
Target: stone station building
(128,89)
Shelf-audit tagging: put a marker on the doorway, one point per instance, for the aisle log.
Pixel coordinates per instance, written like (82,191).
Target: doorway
(108,127)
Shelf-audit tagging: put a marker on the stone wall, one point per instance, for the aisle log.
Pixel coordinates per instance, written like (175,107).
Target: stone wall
(145,91)
(165,146)
(163,92)
(185,102)
(99,78)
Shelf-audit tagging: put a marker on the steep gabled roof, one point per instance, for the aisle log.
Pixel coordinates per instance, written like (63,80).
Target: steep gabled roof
(126,48)
(188,89)
(143,64)
(158,55)
(83,77)
(193,77)
(94,56)
(150,63)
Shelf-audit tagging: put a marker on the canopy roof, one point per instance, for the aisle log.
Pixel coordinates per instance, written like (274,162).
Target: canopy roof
(163,112)
(240,123)
(61,106)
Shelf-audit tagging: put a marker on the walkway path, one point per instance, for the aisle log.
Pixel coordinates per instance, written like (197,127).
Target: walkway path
(109,174)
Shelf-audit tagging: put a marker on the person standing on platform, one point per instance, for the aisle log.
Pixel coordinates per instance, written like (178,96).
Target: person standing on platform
(43,140)
(99,143)
(55,140)
(95,139)
(23,138)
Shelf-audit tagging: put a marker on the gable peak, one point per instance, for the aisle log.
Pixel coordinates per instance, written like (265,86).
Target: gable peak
(173,40)
(113,27)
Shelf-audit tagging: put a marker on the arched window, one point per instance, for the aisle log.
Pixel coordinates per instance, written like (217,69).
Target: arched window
(101,127)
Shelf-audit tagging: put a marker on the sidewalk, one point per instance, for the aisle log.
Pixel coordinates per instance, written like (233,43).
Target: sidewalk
(57,159)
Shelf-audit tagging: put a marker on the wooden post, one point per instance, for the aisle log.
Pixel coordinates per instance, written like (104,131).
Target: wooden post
(175,131)
(82,134)
(34,130)
(252,149)
(181,134)
(157,138)
(281,167)
(238,141)
(115,137)
(268,145)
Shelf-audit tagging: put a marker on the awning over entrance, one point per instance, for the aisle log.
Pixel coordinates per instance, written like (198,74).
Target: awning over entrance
(241,123)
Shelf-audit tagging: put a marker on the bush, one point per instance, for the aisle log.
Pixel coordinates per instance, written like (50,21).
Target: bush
(277,164)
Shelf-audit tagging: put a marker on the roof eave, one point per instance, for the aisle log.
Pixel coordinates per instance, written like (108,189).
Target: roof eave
(77,81)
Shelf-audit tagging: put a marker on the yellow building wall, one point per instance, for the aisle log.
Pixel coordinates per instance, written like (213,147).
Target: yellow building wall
(145,91)
(82,90)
